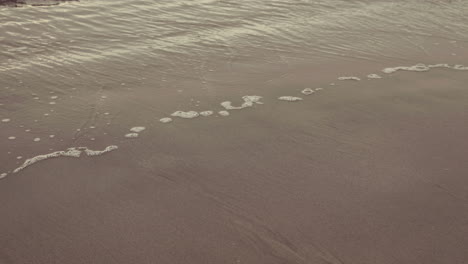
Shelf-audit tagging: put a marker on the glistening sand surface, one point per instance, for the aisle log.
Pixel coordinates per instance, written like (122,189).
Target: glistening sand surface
(371,171)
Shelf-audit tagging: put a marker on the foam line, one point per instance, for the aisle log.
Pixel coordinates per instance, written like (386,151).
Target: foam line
(249,101)
(421,67)
(349,78)
(71,152)
(374,76)
(290,98)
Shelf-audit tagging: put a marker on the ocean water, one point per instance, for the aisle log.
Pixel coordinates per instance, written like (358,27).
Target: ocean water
(88,70)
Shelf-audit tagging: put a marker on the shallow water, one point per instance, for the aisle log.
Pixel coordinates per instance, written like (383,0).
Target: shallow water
(124,58)
(166,82)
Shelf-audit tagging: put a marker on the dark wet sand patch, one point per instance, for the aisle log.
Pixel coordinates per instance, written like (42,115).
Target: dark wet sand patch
(365,173)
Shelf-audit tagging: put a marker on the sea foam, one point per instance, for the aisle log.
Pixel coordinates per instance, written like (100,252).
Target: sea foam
(349,78)
(70,152)
(290,98)
(249,101)
(137,129)
(223,113)
(421,67)
(374,76)
(131,135)
(188,115)
(307,91)
(206,113)
(165,120)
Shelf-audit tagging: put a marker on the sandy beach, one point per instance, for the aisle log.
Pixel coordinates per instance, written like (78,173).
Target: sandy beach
(368,170)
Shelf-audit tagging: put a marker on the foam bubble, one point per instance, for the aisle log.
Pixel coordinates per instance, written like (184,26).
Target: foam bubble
(52,103)
(307,91)
(223,113)
(206,113)
(54,97)
(228,105)
(137,129)
(252,98)
(182,114)
(420,67)
(290,98)
(90,152)
(440,65)
(131,135)
(374,76)
(349,78)
(3,175)
(165,120)
(249,101)
(51,136)
(19,157)
(318,89)
(37,139)
(11,138)
(71,152)
(460,67)
(6,120)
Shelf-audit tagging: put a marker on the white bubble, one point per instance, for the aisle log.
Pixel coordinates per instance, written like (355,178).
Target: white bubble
(137,129)
(290,98)
(182,114)
(223,113)
(11,138)
(6,120)
(206,113)
(54,97)
(3,175)
(37,139)
(349,78)
(374,76)
(307,91)
(52,103)
(249,101)
(165,120)
(71,152)
(131,135)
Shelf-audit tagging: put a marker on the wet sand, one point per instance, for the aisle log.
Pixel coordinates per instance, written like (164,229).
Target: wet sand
(365,171)
(362,172)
